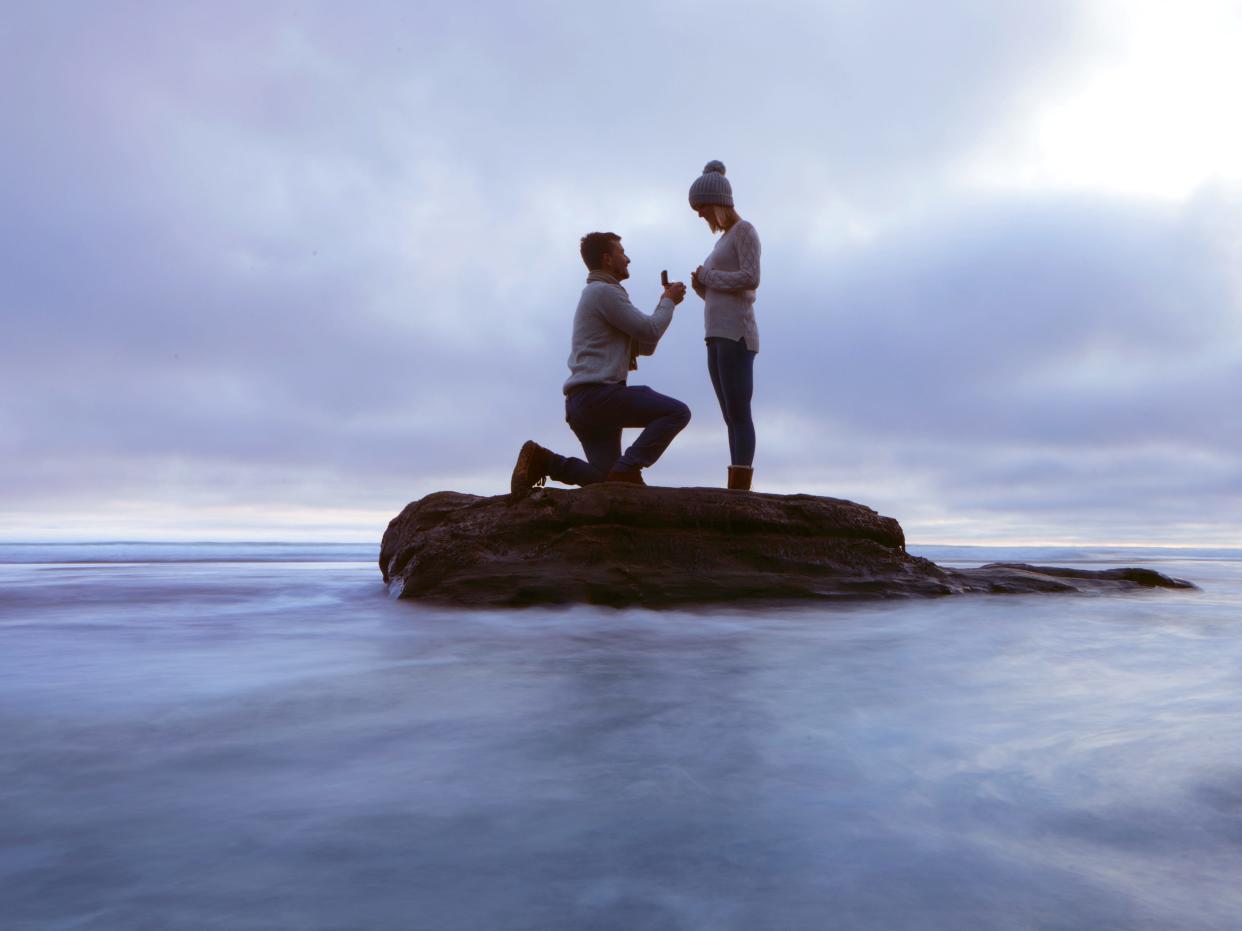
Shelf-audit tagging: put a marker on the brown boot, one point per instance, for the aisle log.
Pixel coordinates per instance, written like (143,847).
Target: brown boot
(628,478)
(531,468)
(739,477)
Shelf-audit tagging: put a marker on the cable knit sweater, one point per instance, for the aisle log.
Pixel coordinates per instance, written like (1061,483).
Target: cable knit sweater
(730,277)
(609,332)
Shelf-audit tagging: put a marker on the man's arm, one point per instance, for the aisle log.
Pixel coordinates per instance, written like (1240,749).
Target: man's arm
(646,330)
(746,278)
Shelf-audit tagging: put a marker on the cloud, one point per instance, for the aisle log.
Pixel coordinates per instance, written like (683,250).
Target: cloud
(296,259)
(1065,318)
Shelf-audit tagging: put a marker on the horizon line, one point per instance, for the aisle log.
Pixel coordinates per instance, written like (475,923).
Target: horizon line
(328,542)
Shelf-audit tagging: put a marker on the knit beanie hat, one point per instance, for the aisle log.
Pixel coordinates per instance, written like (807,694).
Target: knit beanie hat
(711,187)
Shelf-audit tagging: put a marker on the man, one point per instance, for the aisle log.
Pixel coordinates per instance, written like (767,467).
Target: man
(609,334)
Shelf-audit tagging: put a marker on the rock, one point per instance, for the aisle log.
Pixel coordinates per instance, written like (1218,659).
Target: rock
(621,544)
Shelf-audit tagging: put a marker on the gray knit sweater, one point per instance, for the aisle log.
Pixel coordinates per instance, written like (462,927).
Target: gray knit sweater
(730,277)
(609,332)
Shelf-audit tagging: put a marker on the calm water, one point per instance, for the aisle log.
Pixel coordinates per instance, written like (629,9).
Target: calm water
(257,737)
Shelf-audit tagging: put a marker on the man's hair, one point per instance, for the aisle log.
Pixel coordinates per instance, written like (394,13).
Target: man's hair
(594,246)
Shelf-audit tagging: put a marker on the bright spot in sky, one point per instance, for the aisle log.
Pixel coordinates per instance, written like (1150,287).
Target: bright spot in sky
(1157,118)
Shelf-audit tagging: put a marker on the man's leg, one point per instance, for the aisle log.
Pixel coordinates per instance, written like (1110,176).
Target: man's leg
(535,464)
(661,416)
(600,442)
(600,436)
(569,470)
(602,445)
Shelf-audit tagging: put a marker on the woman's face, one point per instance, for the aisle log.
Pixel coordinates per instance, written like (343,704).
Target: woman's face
(704,210)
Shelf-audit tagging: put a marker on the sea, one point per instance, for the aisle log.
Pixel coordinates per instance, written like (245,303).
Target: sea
(257,736)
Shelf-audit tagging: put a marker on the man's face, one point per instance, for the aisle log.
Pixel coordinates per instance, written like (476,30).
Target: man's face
(616,262)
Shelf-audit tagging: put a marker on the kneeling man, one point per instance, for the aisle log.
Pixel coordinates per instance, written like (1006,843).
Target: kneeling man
(609,334)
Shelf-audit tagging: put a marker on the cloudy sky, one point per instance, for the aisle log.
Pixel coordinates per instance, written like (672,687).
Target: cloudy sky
(272,270)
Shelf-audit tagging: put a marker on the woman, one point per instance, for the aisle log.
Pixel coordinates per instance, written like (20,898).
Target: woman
(726,281)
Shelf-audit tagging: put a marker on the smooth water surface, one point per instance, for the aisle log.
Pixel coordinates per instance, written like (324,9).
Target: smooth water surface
(191,742)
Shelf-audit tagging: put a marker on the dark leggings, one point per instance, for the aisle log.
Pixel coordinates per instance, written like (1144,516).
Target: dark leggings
(732,368)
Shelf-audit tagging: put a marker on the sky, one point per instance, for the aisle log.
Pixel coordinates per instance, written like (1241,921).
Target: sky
(272,270)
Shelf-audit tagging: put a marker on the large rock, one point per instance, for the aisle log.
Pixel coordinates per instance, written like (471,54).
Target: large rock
(622,544)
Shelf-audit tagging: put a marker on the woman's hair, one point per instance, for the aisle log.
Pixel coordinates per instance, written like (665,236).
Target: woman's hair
(720,217)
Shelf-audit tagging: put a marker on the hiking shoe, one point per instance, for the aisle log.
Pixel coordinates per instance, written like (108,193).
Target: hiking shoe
(531,468)
(629,478)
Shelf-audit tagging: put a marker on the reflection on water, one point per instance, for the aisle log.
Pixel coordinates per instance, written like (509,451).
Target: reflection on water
(197,745)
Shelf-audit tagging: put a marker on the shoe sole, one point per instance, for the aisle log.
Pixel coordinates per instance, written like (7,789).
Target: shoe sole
(612,480)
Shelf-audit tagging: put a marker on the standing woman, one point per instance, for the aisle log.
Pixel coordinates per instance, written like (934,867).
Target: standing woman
(726,281)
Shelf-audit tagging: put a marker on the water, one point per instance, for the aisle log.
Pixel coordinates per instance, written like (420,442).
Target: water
(257,737)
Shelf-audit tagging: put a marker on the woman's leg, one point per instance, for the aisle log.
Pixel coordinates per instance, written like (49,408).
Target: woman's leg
(714,365)
(736,366)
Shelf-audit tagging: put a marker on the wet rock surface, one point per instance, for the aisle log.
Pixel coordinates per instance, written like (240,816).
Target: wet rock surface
(619,544)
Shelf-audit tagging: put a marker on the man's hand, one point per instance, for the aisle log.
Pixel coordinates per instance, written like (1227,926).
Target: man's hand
(675,292)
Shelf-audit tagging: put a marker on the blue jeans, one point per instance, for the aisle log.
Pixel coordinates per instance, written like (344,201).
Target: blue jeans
(732,368)
(597,414)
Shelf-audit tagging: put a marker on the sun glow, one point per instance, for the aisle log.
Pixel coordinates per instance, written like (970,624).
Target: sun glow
(1156,116)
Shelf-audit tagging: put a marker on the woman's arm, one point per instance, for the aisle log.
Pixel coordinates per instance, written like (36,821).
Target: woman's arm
(746,278)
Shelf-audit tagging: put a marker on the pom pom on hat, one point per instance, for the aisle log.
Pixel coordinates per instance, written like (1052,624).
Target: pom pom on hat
(712,187)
